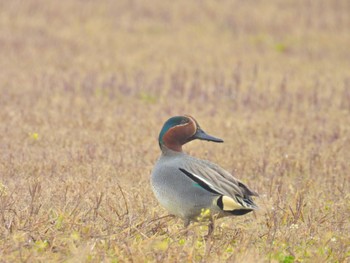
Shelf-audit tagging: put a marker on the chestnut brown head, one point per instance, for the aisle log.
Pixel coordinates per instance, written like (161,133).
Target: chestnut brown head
(179,130)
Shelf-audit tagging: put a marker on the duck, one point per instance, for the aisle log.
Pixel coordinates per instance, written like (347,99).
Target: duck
(191,188)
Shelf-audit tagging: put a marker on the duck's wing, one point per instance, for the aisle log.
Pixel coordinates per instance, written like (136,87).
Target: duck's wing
(233,195)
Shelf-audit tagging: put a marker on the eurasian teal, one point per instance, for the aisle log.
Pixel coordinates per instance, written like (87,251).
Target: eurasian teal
(186,186)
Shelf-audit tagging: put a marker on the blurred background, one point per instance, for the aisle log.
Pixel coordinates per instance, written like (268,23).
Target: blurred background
(158,47)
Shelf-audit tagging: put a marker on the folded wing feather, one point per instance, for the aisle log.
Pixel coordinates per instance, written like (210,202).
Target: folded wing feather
(234,195)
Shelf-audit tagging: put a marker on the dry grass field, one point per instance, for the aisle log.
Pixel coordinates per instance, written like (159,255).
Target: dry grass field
(85,87)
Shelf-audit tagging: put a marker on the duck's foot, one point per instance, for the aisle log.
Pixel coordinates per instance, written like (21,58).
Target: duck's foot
(186,229)
(186,223)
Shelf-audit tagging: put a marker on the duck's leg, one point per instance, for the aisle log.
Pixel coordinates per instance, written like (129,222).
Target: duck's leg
(186,224)
(211,227)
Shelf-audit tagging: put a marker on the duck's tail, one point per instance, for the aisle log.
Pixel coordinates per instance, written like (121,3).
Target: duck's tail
(237,206)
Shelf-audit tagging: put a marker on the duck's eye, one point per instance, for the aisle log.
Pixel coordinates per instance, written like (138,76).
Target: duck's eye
(184,121)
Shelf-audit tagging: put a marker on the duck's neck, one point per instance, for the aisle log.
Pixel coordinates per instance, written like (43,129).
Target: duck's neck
(170,151)
(176,147)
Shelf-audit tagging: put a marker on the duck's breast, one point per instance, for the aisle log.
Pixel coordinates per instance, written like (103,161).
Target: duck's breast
(176,192)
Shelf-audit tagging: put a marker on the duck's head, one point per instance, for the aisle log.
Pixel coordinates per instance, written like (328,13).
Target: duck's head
(179,130)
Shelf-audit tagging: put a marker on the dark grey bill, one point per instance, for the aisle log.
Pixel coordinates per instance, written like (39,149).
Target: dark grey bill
(201,135)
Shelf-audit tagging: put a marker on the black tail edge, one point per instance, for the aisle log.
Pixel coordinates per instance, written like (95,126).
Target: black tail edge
(240,212)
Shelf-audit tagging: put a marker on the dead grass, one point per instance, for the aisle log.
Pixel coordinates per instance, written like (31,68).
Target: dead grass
(85,88)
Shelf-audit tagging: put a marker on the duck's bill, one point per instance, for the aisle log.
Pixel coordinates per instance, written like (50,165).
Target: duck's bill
(201,135)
